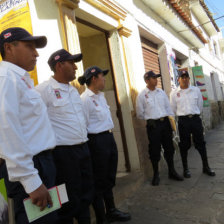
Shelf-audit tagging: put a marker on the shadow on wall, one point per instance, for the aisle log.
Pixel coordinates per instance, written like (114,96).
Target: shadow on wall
(217,112)
(141,139)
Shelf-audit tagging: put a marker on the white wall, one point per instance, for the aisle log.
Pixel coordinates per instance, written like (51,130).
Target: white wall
(45,21)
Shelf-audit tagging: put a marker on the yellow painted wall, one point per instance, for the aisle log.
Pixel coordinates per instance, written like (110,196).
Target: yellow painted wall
(95,52)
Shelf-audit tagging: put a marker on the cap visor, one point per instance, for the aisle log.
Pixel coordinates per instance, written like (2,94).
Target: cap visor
(40,41)
(105,71)
(182,75)
(157,76)
(76,57)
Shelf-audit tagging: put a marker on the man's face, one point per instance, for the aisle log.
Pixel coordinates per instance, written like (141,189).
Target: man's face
(68,69)
(152,81)
(23,54)
(184,81)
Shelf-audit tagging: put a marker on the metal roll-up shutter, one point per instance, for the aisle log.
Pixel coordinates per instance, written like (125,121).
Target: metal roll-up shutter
(151,58)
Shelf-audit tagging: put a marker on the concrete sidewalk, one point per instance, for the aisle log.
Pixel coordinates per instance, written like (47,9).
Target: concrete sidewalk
(198,200)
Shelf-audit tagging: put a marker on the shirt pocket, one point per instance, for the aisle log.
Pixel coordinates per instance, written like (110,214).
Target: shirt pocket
(100,113)
(35,100)
(60,106)
(149,104)
(194,99)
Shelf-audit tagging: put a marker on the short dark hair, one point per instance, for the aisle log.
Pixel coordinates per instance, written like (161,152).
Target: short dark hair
(82,80)
(2,50)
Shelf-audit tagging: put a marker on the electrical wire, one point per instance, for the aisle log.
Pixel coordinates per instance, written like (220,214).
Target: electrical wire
(201,24)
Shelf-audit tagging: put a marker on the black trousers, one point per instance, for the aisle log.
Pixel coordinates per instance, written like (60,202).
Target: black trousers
(44,163)
(159,135)
(104,156)
(74,168)
(191,126)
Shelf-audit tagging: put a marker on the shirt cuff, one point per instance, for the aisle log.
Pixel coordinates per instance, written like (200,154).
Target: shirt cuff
(32,183)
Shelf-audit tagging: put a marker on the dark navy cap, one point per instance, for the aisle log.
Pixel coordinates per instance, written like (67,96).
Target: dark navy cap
(183,73)
(20,34)
(90,72)
(93,71)
(150,74)
(63,55)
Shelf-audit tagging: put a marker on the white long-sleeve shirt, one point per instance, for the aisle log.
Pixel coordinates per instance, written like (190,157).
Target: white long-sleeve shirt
(65,110)
(186,101)
(25,129)
(153,104)
(97,112)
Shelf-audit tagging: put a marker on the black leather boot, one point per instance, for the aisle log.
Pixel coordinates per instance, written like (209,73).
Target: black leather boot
(115,215)
(186,171)
(175,176)
(155,179)
(206,169)
(172,172)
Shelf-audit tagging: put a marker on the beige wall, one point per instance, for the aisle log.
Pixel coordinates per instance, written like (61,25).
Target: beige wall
(95,52)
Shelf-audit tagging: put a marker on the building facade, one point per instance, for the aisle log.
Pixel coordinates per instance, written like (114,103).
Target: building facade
(130,37)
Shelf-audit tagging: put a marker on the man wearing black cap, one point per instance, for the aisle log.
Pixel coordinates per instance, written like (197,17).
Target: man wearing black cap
(102,145)
(153,106)
(71,156)
(187,104)
(26,134)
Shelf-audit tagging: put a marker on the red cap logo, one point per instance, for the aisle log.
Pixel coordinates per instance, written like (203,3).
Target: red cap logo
(93,70)
(56,57)
(7,35)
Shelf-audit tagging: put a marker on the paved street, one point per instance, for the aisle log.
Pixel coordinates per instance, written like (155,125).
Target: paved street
(199,199)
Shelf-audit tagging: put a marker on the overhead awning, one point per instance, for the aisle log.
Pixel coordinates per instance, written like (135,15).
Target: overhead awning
(201,13)
(171,17)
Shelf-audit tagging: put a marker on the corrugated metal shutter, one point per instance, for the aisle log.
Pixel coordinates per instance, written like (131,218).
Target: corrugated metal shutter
(151,58)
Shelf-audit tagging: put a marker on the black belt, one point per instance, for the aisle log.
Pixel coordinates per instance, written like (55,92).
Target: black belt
(189,116)
(160,119)
(101,133)
(69,146)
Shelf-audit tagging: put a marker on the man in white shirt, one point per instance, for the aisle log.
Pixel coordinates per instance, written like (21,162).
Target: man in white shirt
(187,104)
(71,156)
(26,134)
(153,106)
(102,146)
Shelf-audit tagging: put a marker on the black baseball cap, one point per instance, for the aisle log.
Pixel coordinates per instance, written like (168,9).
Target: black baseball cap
(62,55)
(20,34)
(183,73)
(151,74)
(90,72)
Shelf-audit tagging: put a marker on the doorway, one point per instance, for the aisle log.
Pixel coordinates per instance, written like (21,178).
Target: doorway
(94,47)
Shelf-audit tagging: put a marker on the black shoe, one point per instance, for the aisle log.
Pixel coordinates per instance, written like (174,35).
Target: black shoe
(155,180)
(115,215)
(208,171)
(187,173)
(175,176)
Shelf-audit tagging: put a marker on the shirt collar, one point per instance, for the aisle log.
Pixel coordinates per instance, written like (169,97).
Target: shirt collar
(57,85)
(189,88)
(18,70)
(91,93)
(149,91)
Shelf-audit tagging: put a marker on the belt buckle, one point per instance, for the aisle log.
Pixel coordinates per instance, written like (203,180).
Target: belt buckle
(110,131)
(161,119)
(190,116)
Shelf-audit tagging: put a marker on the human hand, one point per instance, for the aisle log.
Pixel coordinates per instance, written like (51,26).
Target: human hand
(41,197)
